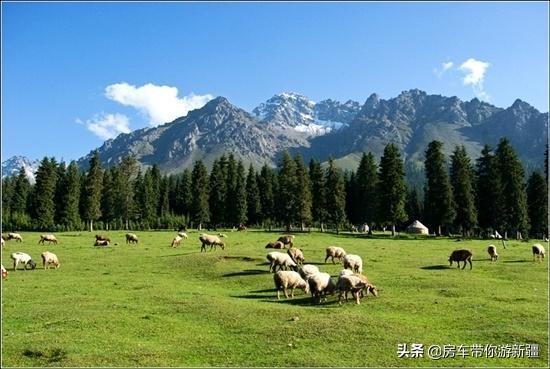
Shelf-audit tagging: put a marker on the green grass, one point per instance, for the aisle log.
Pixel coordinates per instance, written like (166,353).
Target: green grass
(152,305)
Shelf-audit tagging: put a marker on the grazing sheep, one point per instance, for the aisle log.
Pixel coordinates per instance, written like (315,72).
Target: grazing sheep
(100,237)
(289,279)
(209,240)
(320,285)
(4,273)
(286,240)
(461,255)
(15,236)
(275,245)
(176,241)
(353,262)
(241,227)
(183,235)
(131,238)
(297,255)
(492,250)
(278,259)
(101,243)
(49,258)
(335,252)
(350,283)
(48,237)
(308,270)
(538,252)
(25,259)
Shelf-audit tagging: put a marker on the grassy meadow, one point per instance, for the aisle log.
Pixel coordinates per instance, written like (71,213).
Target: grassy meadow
(153,305)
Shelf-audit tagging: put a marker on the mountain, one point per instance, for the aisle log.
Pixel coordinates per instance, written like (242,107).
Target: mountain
(12,166)
(290,121)
(297,112)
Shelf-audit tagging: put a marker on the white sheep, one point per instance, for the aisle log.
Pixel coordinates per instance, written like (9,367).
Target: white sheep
(101,243)
(49,258)
(538,252)
(209,240)
(308,270)
(176,241)
(297,255)
(278,259)
(183,235)
(289,279)
(353,262)
(350,283)
(48,237)
(335,252)
(492,251)
(320,285)
(15,236)
(131,238)
(25,259)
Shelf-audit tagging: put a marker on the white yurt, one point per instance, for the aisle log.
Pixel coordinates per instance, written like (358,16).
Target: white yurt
(418,228)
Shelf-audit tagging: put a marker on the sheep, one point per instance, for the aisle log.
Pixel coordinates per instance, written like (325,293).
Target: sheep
(21,257)
(49,258)
(131,238)
(101,243)
(353,262)
(278,259)
(289,279)
(350,283)
(275,245)
(100,237)
(492,250)
(297,255)
(241,227)
(335,252)
(4,273)
(320,284)
(48,237)
(308,270)
(209,240)
(538,252)
(461,255)
(15,236)
(183,235)
(176,241)
(286,240)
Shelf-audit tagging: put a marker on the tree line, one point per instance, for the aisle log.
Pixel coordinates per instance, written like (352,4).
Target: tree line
(458,196)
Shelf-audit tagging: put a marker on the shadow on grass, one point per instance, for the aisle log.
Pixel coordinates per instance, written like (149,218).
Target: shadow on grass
(517,261)
(246,272)
(52,356)
(435,267)
(301,300)
(241,258)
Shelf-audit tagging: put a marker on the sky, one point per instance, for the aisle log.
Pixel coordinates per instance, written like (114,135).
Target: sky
(75,74)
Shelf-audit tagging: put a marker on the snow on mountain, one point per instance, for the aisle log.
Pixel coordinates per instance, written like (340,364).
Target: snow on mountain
(12,166)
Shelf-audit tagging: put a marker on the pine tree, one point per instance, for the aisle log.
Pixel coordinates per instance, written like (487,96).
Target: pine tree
(391,188)
(164,191)
(462,182)
(353,209)
(71,199)
(184,196)
(199,186)
(286,196)
(488,191)
(254,207)
(413,206)
(318,193)
(438,195)
(268,188)
(240,206)
(335,196)
(61,172)
(155,183)
(8,185)
(367,179)
(514,215)
(218,192)
(92,189)
(230,212)
(124,188)
(19,200)
(108,196)
(537,205)
(302,193)
(44,194)
(147,199)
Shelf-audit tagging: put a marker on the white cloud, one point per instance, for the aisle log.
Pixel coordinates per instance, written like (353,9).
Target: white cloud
(445,66)
(160,104)
(107,126)
(474,75)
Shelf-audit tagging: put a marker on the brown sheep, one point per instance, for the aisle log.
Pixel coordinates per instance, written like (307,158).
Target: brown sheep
(275,245)
(48,237)
(286,240)
(335,252)
(296,255)
(209,240)
(100,237)
(461,255)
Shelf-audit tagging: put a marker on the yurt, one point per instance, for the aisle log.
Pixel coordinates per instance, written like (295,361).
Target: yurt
(418,228)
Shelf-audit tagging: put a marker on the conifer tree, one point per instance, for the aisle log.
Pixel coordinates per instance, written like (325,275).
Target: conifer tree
(109,209)
(286,195)
(537,205)
(218,191)
(391,188)
(488,191)
(199,186)
(93,186)
(353,209)
(184,196)
(71,215)
(20,198)
(462,182)
(253,204)
(366,179)
(230,211)
(318,193)
(239,205)
(61,172)
(438,196)
(335,196)
(302,193)
(124,188)
(268,187)
(413,205)
(44,194)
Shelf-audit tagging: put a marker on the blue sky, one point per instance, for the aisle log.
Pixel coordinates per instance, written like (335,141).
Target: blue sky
(75,72)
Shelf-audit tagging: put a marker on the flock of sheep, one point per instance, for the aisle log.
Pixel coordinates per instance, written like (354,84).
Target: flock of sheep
(465,255)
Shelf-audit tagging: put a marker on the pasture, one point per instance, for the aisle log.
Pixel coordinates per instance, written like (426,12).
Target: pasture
(153,305)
